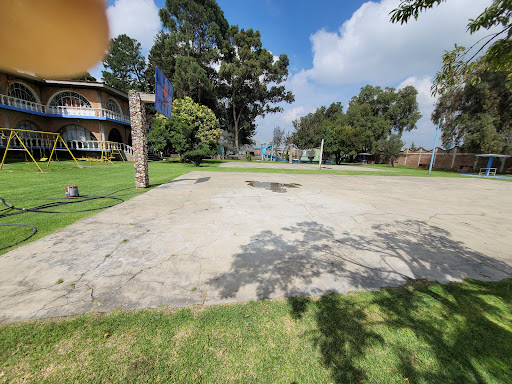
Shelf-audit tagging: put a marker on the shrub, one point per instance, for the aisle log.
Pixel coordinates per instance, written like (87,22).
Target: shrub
(196,155)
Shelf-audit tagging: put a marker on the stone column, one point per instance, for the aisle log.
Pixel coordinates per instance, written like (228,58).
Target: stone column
(139,139)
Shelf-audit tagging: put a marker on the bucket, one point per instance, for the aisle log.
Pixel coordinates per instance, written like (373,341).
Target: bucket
(71,191)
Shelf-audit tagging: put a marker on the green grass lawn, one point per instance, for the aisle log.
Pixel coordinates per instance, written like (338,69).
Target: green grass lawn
(422,333)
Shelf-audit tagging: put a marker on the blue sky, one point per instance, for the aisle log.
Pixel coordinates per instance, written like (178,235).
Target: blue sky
(335,47)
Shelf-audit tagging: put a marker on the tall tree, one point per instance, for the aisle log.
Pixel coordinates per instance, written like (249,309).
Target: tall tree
(197,28)
(278,136)
(161,55)
(249,81)
(340,141)
(459,63)
(390,148)
(478,114)
(308,129)
(188,47)
(190,79)
(124,64)
(376,113)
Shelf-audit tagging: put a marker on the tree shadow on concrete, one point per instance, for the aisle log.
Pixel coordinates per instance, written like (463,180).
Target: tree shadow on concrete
(404,252)
(293,263)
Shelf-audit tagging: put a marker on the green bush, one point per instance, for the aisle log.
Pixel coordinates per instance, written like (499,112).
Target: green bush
(196,155)
(248,157)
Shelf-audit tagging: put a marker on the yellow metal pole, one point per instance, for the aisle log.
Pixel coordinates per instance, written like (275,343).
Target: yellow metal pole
(51,153)
(63,142)
(6,149)
(26,149)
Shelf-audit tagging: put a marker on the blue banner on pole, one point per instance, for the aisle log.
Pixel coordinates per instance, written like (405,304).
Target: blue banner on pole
(163,93)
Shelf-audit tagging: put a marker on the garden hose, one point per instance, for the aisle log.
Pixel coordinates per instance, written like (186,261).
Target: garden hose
(34,230)
(11,210)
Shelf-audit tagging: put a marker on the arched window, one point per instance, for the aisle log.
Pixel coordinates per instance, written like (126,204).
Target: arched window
(27,126)
(21,91)
(69,99)
(76,132)
(115,136)
(113,106)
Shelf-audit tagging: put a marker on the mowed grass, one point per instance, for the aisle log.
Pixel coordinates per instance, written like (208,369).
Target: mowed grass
(421,333)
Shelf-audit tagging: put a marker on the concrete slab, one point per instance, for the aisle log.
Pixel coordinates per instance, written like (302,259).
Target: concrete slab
(284,165)
(211,237)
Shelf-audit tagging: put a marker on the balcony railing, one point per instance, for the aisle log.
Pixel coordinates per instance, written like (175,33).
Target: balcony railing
(33,141)
(101,113)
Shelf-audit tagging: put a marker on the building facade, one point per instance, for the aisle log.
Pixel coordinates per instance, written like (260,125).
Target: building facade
(83,112)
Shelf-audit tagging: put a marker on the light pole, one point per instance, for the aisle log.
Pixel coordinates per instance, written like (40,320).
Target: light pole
(434,149)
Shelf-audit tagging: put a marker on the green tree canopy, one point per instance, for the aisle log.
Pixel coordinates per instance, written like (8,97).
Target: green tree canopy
(188,47)
(309,129)
(193,129)
(250,81)
(373,118)
(459,63)
(477,114)
(376,113)
(390,148)
(124,64)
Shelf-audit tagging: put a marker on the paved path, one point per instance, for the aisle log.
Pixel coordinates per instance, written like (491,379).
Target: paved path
(283,165)
(211,237)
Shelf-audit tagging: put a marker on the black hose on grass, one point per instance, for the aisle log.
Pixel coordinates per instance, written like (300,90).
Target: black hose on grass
(12,210)
(34,230)
(41,208)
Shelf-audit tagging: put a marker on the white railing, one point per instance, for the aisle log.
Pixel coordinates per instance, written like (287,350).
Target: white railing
(47,142)
(30,142)
(99,145)
(62,111)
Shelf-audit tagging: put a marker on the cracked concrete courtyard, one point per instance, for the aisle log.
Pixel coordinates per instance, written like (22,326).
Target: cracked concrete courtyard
(215,237)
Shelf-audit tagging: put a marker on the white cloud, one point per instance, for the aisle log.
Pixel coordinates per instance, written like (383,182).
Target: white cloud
(137,18)
(424,134)
(369,48)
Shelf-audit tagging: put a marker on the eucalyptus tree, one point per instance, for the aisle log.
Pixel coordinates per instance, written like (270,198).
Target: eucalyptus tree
(124,64)
(250,81)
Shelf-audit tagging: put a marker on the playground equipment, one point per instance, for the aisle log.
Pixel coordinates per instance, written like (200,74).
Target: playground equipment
(109,150)
(268,155)
(35,140)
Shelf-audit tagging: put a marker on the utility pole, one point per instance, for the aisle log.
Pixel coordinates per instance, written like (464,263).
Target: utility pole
(434,149)
(321,155)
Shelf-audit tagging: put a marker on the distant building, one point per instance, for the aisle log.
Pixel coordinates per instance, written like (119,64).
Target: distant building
(83,112)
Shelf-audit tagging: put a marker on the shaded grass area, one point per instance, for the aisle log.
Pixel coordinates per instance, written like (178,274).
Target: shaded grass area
(421,333)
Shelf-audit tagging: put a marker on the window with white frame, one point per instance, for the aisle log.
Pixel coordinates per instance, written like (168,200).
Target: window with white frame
(21,91)
(69,99)
(76,132)
(113,106)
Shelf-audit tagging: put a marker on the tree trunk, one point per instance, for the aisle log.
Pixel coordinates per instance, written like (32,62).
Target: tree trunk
(235,120)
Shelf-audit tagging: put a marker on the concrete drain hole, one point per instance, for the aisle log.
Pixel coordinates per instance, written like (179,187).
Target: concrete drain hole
(274,187)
